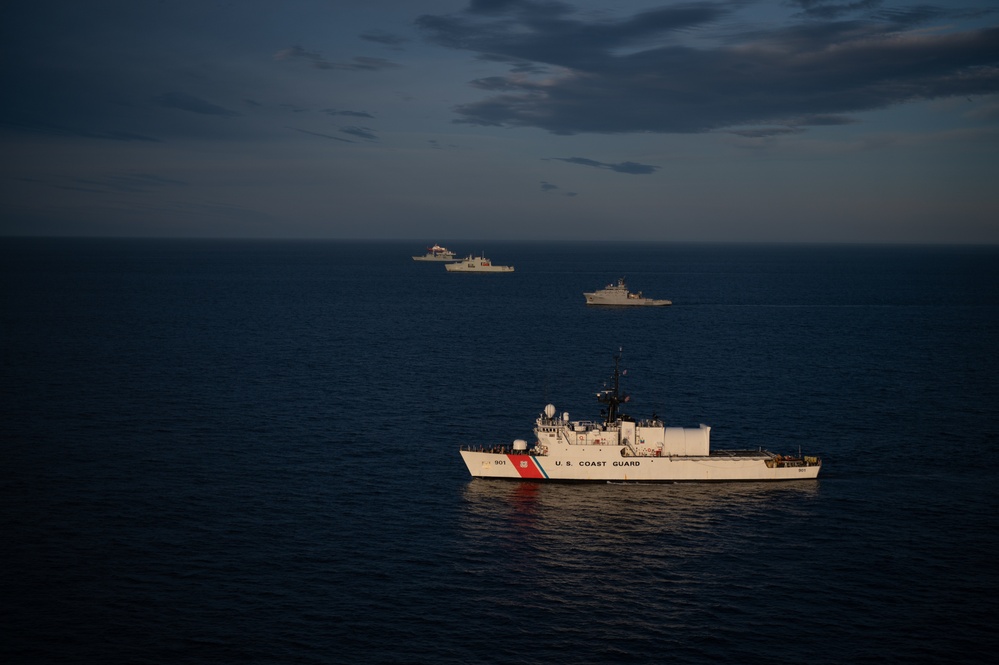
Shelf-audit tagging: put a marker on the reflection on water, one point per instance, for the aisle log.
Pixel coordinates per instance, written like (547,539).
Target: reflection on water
(639,565)
(681,505)
(640,519)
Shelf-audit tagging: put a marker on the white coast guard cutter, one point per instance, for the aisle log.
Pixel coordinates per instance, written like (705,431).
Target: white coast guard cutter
(622,449)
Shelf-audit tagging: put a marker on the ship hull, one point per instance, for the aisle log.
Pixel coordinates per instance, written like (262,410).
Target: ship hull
(623,449)
(476,264)
(462,267)
(624,302)
(618,295)
(601,464)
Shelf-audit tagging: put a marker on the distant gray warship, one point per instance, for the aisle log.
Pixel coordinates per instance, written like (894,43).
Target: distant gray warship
(476,264)
(617,295)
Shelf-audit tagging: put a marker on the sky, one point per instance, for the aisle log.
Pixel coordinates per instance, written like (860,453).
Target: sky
(845,121)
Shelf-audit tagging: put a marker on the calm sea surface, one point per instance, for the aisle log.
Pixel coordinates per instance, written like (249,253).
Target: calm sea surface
(246,452)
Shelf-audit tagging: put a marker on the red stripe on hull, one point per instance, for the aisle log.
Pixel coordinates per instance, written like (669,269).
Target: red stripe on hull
(525,466)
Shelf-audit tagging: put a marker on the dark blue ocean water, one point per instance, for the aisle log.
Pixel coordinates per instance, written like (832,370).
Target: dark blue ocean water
(246,452)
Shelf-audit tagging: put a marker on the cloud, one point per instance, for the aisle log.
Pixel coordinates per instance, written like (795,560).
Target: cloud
(696,67)
(764,132)
(319,134)
(358,63)
(368,64)
(823,119)
(517,65)
(491,6)
(360,132)
(827,9)
(186,102)
(794,125)
(631,168)
(299,53)
(386,38)
(352,114)
(548,187)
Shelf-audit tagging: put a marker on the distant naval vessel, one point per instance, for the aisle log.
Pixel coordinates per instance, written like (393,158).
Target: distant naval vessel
(617,295)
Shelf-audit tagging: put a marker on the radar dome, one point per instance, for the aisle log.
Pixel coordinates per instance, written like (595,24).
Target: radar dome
(550,410)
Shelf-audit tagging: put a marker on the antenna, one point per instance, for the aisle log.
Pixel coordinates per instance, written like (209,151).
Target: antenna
(612,397)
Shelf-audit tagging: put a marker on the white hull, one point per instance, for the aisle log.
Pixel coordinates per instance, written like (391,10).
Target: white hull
(605,464)
(437,253)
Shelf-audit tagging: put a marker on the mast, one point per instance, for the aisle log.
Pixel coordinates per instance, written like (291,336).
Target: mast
(612,397)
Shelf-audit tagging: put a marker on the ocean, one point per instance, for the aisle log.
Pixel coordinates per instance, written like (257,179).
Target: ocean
(247,452)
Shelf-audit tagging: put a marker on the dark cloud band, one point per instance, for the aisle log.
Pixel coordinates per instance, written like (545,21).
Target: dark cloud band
(647,73)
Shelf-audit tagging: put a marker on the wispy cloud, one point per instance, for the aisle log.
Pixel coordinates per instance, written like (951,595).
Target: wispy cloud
(352,114)
(186,102)
(319,134)
(548,187)
(364,63)
(831,8)
(686,68)
(385,38)
(358,63)
(764,132)
(299,53)
(361,133)
(630,168)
